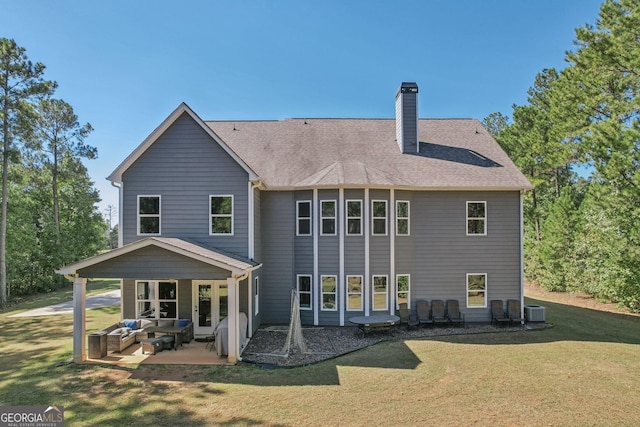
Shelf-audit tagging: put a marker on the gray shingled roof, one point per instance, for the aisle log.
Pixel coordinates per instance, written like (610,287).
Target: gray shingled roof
(304,153)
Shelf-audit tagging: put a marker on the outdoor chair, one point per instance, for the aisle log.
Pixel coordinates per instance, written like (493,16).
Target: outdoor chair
(497,313)
(513,311)
(438,313)
(453,312)
(423,312)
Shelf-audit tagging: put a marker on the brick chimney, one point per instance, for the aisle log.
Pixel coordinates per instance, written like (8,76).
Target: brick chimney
(407,117)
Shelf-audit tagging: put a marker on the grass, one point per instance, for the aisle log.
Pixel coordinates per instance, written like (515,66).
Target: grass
(583,371)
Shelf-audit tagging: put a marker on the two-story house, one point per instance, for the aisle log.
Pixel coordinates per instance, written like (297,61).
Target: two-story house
(219,218)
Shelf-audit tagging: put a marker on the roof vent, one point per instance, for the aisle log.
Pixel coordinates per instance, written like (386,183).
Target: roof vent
(407,117)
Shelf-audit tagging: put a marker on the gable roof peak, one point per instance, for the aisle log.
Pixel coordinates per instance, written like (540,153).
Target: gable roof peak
(183,108)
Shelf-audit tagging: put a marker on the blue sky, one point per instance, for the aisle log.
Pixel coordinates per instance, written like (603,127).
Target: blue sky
(125,65)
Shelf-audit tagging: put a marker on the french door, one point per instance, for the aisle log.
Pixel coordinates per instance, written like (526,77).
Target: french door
(210,305)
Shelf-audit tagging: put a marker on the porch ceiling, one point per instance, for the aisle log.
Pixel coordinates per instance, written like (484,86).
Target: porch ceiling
(164,257)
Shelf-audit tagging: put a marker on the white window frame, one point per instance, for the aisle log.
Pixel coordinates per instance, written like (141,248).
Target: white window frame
(486,286)
(218,215)
(140,216)
(374,293)
(334,293)
(399,218)
(483,219)
(353,218)
(156,301)
(408,291)
(349,293)
(310,291)
(329,218)
(378,218)
(299,218)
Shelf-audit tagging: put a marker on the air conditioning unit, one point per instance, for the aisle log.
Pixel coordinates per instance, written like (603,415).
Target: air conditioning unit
(534,313)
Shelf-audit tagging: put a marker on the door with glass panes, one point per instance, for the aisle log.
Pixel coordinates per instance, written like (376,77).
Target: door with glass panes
(210,305)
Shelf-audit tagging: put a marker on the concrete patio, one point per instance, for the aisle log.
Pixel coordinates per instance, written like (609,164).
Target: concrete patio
(193,353)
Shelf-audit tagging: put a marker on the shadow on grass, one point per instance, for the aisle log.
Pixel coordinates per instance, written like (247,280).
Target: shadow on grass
(150,395)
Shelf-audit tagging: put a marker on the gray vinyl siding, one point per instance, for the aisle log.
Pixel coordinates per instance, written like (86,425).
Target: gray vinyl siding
(185,166)
(442,254)
(278,218)
(437,254)
(128,298)
(152,262)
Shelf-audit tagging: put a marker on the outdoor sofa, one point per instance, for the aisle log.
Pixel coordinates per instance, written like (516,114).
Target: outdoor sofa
(126,332)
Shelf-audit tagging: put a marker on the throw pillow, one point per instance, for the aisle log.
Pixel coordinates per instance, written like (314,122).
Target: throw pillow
(133,324)
(181,323)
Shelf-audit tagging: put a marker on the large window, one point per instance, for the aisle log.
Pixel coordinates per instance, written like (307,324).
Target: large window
(148,215)
(328,212)
(157,299)
(354,293)
(329,300)
(354,217)
(477,290)
(476,218)
(380,292)
(303,218)
(221,215)
(304,291)
(402,218)
(379,217)
(402,289)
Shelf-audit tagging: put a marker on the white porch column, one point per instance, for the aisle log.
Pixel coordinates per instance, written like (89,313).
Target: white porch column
(79,319)
(234,321)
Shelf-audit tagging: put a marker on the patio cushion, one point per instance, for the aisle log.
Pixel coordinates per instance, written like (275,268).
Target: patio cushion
(131,323)
(181,323)
(146,322)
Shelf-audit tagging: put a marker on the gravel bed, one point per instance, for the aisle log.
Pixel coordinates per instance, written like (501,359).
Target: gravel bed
(265,348)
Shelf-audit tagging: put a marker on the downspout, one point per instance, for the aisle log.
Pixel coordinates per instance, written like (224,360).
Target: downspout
(238,278)
(252,250)
(120,209)
(521,257)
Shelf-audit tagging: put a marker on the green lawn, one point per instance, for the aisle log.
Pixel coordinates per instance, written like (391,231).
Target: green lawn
(583,371)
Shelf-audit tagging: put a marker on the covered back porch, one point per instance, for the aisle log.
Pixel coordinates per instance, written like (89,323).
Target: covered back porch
(166,279)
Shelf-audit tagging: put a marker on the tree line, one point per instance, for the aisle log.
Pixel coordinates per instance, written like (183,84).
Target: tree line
(578,141)
(48,214)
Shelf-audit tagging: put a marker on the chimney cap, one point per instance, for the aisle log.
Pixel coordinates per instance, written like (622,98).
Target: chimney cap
(408,87)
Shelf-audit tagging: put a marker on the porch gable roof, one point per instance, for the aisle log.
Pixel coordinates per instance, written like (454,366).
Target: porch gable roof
(234,264)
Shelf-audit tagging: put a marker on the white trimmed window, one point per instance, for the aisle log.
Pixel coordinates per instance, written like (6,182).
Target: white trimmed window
(403,287)
(354,293)
(354,217)
(402,218)
(328,216)
(303,218)
(221,215)
(476,290)
(476,218)
(379,217)
(157,299)
(329,287)
(380,292)
(149,215)
(304,291)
